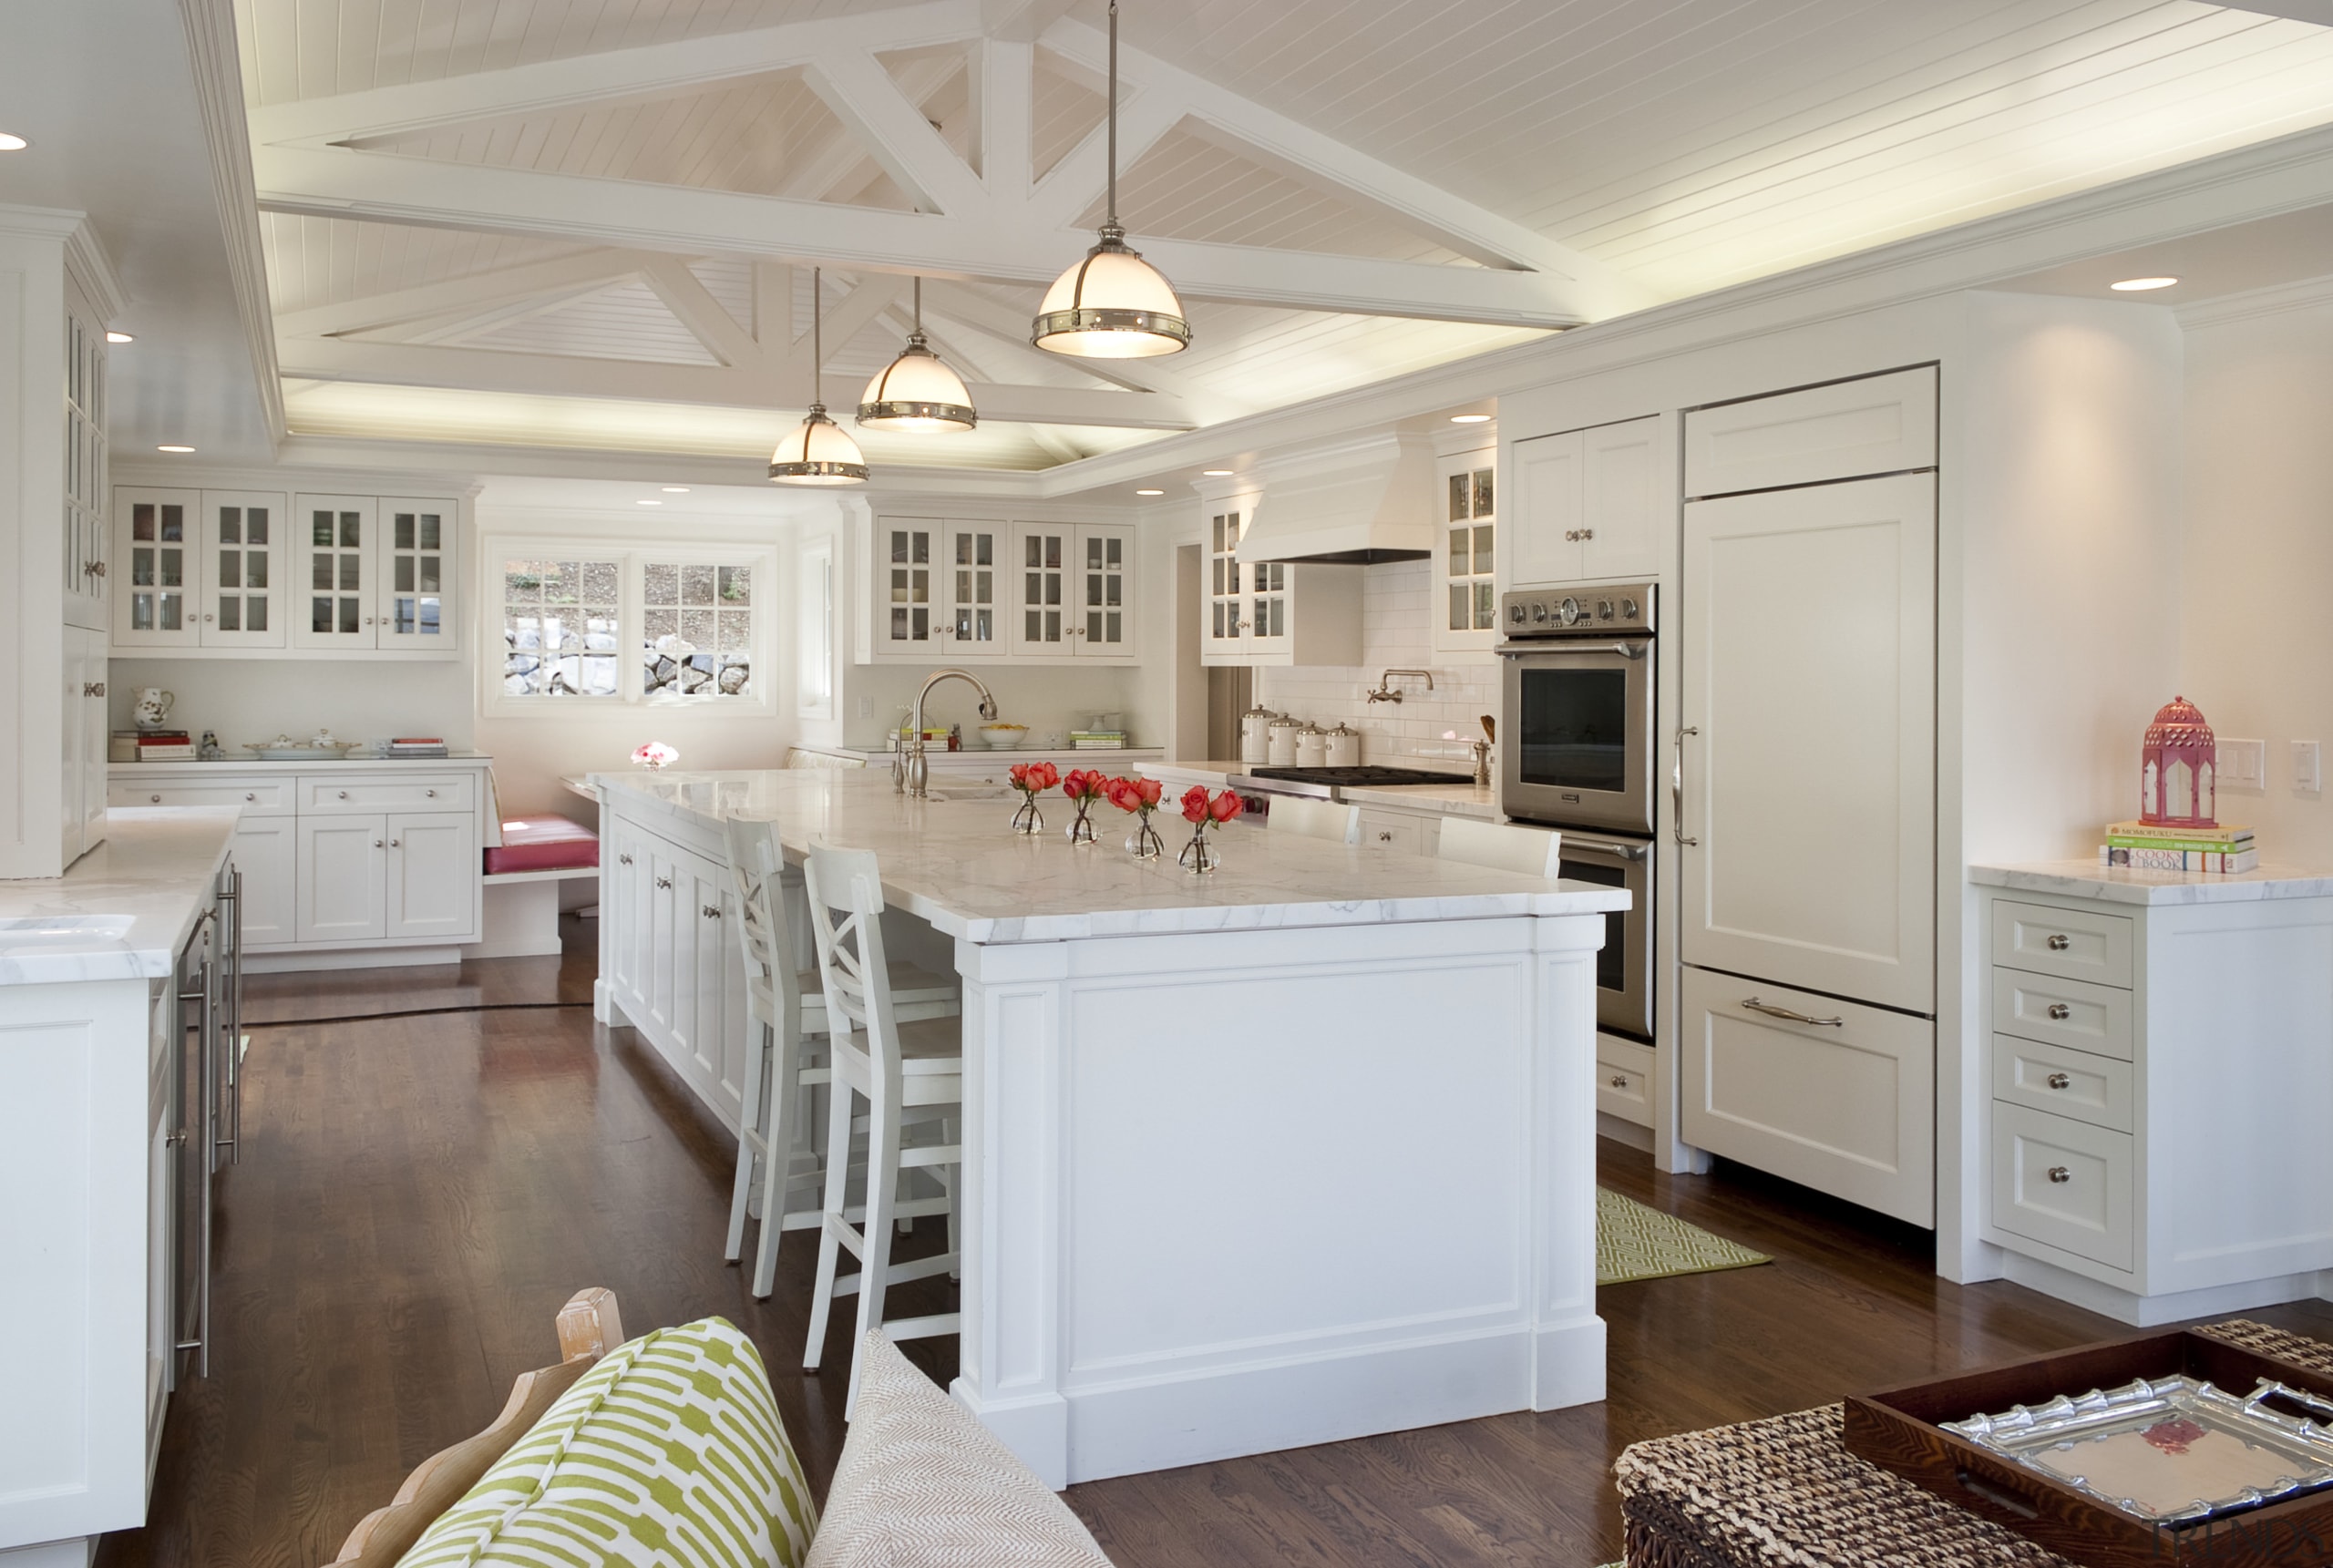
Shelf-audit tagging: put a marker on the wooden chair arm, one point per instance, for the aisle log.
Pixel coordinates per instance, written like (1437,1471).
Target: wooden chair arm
(589,1328)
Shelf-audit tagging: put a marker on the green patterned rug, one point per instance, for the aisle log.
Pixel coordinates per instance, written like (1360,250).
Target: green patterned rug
(1633,1242)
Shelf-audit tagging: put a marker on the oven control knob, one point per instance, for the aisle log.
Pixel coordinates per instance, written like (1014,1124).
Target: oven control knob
(1569,612)
(1516,613)
(1603,610)
(1540,611)
(1629,610)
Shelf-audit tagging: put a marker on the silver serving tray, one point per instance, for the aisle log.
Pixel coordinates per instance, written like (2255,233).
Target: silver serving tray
(2136,1447)
(268,753)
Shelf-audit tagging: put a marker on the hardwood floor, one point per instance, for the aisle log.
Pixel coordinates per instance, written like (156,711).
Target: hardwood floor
(419,1192)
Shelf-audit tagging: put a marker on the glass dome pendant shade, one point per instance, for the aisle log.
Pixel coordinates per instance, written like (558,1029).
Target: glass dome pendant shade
(918,392)
(1112,304)
(821,452)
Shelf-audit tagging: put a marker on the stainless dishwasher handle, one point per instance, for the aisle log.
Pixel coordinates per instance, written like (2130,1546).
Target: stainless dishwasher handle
(230,994)
(1676,791)
(1754,1005)
(206,1111)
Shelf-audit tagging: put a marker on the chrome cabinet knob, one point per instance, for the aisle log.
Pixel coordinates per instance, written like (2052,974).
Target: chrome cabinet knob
(2061,1175)
(2059,1012)
(155,799)
(709,911)
(100,690)
(664,882)
(396,843)
(624,860)
(2059,944)
(377,843)
(208,617)
(2060,1081)
(250,794)
(430,793)
(343,794)
(1620,1080)
(1385,838)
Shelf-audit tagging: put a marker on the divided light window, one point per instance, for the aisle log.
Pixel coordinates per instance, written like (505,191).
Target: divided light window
(587,625)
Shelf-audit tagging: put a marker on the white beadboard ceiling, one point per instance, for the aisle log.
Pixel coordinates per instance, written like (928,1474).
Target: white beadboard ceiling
(1680,144)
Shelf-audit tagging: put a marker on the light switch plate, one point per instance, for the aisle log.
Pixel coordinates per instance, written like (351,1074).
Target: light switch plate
(2242,764)
(2308,777)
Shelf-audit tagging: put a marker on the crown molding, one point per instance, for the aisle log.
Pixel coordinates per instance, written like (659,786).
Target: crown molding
(2276,299)
(353,480)
(219,93)
(85,254)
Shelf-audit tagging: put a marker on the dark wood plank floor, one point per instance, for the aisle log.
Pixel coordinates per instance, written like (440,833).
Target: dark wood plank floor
(420,1192)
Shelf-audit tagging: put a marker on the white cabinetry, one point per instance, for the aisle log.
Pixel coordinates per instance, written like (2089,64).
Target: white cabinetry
(83,752)
(342,864)
(205,569)
(2152,1066)
(1871,425)
(1588,504)
(1273,613)
(982,593)
(1463,609)
(87,590)
(670,961)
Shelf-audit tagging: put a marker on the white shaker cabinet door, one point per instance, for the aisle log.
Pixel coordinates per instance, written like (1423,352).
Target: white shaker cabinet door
(342,860)
(432,875)
(1544,497)
(1623,501)
(266,851)
(1806,789)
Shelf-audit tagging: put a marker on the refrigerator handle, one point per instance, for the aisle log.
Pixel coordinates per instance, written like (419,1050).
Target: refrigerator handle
(1677,790)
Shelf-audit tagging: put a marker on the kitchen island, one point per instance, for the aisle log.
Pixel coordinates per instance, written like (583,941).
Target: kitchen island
(1295,1152)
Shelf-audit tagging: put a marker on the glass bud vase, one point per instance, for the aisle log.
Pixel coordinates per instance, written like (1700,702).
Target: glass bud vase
(1081,831)
(1198,856)
(1027,818)
(1144,843)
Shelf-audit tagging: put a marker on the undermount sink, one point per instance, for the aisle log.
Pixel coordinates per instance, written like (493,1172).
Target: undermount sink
(973,792)
(62,933)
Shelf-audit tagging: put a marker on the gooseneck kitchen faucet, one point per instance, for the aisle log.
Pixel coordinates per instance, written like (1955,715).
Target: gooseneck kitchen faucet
(917,774)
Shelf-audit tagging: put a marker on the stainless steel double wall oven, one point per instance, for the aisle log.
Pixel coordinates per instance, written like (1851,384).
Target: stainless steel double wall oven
(1575,733)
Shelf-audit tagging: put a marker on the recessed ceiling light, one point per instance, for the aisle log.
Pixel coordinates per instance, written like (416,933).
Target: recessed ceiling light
(1216,473)
(676,490)
(174,449)
(1469,419)
(2140,285)
(12,143)
(1150,492)
(120,337)
(650,501)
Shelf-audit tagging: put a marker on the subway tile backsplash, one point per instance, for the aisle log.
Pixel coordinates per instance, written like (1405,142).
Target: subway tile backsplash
(1395,634)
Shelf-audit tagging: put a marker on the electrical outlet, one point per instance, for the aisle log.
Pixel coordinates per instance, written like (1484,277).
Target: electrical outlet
(2307,775)
(865,706)
(2242,764)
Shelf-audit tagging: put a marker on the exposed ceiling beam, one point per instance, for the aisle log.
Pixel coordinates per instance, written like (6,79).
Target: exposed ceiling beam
(478,291)
(2318,11)
(1083,175)
(337,182)
(1002,86)
(609,76)
(893,130)
(696,308)
(1021,21)
(1008,329)
(725,386)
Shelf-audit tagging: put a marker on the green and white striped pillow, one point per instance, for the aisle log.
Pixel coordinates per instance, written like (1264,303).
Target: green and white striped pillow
(669,1451)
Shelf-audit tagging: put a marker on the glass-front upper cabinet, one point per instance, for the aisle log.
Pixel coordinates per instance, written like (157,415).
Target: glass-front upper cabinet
(1042,552)
(417,573)
(1226,616)
(908,615)
(1465,606)
(87,590)
(243,549)
(974,574)
(155,540)
(335,596)
(1105,606)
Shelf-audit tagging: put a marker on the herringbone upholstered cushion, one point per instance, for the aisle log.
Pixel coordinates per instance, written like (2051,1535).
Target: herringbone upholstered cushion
(922,1484)
(669,1451)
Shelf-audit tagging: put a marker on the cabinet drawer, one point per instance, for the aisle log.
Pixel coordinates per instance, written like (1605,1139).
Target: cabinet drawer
(342,794)
(2063,1182)
(2063,1012)
(258,797)
(1624,1079)
(2076,943)
(1393,830)
(2092,1089)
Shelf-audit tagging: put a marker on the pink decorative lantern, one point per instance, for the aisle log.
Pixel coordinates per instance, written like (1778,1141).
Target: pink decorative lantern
(2176,785)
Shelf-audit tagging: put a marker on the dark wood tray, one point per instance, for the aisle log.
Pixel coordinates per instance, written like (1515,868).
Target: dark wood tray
(1898,1430)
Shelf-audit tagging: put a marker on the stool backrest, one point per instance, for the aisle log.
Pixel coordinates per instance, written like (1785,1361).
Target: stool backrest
(756,869)
(1533,851)
(1314,818)
(845,898)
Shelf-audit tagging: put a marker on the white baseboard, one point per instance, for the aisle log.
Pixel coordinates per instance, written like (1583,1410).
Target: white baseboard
(362,959)
(77,1553)
(2173,1307)
(1622,1131)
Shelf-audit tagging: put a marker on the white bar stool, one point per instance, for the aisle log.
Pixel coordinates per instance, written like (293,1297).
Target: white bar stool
(1314,818)
(896,1066)
(786,1013)
(1509,846)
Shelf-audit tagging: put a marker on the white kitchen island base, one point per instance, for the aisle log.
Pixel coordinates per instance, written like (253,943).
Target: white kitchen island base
(1298,1152)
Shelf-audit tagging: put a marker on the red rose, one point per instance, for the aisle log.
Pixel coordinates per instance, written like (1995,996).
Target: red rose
(1082,784)
(1149,790)
(1019,774)
(1042,775)
(1195,804)
(1226,806)
(1120,793)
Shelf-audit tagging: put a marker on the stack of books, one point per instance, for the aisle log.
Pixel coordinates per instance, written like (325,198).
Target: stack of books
(2159,847)
(164,746)
(415,746)
(1097,740)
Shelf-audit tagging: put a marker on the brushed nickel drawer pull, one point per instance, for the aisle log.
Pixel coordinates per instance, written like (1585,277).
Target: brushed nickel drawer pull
(2061,942)
(665,883)
(2059,1012)
(2060,1081)
(709,911)
(624,860)
(2060,1175)
(1754,1005)
(1620,1080)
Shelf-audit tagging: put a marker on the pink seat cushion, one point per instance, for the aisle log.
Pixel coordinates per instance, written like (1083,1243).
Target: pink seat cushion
(543,844)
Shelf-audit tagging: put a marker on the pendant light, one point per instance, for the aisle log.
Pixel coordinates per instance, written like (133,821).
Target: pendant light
(821,452)
(1112,304)
(917,392)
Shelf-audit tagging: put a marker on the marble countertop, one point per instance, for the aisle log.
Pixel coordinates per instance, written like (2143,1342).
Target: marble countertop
(154,875)
(2121,884)
(1461,796)
(954,862)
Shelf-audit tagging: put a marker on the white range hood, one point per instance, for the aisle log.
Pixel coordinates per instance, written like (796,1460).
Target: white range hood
(1355,504)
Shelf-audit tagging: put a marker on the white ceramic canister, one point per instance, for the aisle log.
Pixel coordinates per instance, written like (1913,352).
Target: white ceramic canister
(1344,747)
(1311,748)
(1280,749)
(1255,734)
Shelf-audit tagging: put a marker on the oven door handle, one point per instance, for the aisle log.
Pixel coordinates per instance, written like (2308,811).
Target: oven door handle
(1629,650)
(1634,854)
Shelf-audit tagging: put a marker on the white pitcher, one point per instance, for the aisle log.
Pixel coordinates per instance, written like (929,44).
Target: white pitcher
(152,707)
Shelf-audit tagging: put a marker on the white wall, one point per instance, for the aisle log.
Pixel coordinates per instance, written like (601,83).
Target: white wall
(2256,639)
(1394,632)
